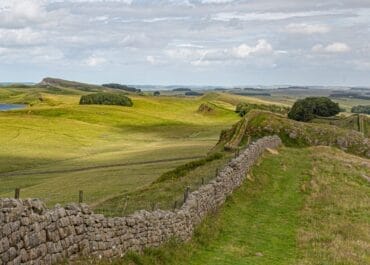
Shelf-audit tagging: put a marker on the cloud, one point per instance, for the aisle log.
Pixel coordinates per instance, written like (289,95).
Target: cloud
(21,37)
(221,36)
(21,12)
(336,47)
(271,16)
(243,51)
(154,60)
(216,1)
(95,60)
(303,28)
(201,56)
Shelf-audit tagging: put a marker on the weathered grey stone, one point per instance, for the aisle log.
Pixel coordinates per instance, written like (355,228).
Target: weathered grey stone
(32,234)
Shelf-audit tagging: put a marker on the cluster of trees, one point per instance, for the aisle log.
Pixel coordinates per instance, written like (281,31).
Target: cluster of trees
(193,93)
(311,107)
(122,87)
(361,109)
(244,108)
(106,99)
(340,94)
(181,89)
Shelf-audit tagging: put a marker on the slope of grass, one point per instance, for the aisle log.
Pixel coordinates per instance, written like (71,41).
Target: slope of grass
(293,209)
(167,191)
(56,147)
(293,133)
(357,122)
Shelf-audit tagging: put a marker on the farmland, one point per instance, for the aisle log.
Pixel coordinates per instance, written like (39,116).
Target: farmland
(56,147)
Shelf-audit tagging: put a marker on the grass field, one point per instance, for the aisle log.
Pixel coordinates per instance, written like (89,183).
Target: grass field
(56,147)
(302,206)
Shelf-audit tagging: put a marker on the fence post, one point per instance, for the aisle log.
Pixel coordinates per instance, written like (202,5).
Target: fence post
(186,193)
(216,171)
(202,181)
(17,193)
(80,196)
(175,205)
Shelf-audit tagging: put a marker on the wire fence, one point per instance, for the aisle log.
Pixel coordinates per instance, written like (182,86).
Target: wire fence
(165,196)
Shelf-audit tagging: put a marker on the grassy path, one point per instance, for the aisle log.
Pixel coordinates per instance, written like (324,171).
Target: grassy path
(259,224)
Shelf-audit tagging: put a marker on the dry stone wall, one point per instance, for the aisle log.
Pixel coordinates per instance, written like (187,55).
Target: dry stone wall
(32,234)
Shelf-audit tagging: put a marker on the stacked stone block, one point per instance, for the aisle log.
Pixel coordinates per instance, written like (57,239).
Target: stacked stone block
(32,234)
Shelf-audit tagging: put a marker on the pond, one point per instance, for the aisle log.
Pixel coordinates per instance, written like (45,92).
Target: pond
(5,107)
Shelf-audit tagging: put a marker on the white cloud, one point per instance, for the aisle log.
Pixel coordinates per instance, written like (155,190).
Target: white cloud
(336,47)
(95,60)
(20,37)
(17,12)
(303,28)
(271,16)
(243,51)
(216,1)
(201,56)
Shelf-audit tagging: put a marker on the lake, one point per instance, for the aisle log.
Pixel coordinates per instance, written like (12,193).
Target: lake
(5,107)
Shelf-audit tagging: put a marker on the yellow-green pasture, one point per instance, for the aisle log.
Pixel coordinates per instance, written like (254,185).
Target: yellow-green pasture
(57,147)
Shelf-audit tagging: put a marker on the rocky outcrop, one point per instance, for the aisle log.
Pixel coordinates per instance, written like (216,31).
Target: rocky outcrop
(32,234)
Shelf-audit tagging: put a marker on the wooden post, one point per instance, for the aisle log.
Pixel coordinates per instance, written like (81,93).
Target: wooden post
(216,171)
(175,205)
(202,181)
(80,196)
(186,193)
(17,193)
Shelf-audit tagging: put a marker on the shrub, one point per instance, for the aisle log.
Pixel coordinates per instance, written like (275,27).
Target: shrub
(308,108)
(361,109)
(193,93)
(181,89)
(106,99)
(156,93)
(244,108)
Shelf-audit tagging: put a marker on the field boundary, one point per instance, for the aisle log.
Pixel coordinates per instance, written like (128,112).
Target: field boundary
(10,174)
(32,234)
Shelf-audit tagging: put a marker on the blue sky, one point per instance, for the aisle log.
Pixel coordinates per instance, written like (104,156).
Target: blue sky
(195,42)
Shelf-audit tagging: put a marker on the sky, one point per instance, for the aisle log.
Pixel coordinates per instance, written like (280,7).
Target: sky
(189,42)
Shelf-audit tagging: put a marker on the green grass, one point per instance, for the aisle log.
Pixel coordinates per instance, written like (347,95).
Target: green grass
(357,122)
(302,206)
(168,189)
(57,147)
(259,123)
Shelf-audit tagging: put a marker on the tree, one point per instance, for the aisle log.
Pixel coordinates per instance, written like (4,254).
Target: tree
(106,99)
(156,93)
(308,108)
(361,109)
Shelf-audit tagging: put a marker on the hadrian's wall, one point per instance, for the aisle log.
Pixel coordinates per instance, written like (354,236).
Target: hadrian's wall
(32,234)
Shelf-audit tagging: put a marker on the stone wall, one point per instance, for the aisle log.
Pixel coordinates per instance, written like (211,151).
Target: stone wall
(32,234)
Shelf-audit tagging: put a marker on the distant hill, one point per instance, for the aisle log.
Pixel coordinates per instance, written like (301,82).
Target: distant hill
(122,87)
(61,83)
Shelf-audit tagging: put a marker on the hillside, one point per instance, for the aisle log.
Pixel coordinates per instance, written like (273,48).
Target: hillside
(299,206)
(56,146)
(260,123)
(357,122)
(145,156)
(49,82)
